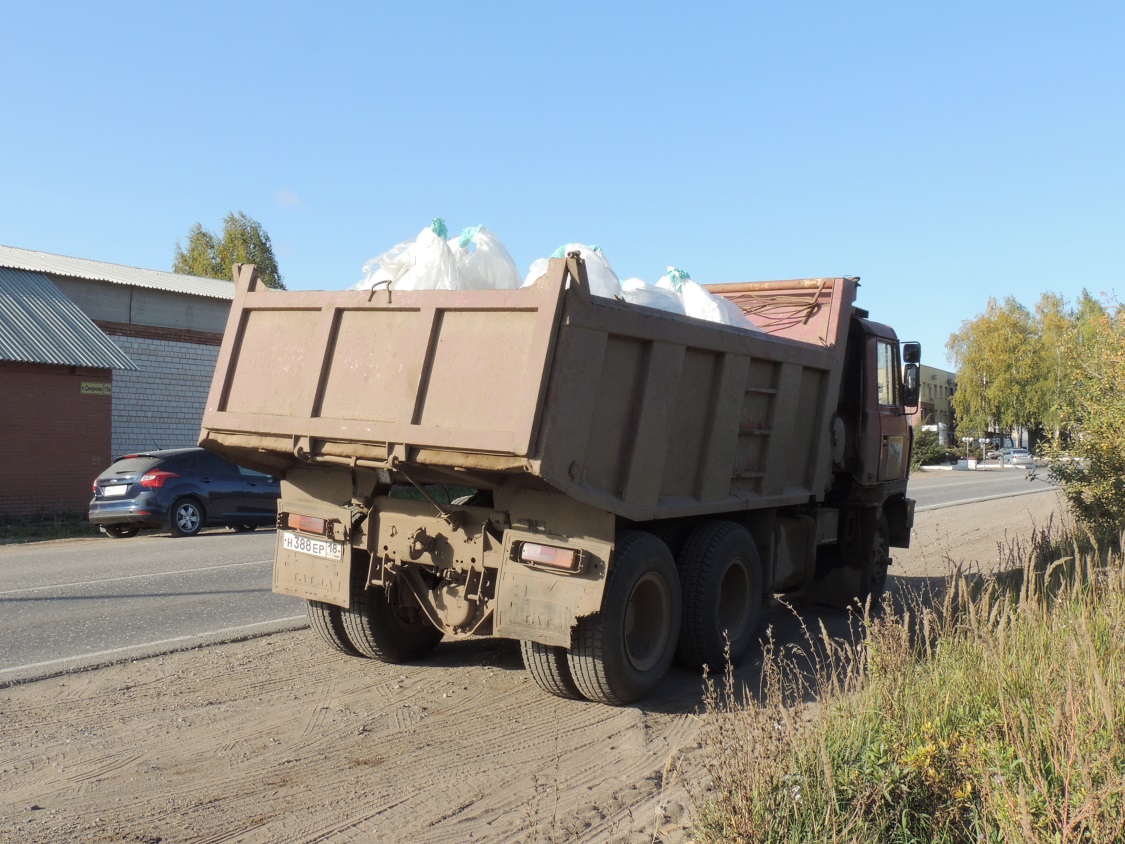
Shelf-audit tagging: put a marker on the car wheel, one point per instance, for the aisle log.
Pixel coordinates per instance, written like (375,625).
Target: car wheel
(187,517)
(121,531)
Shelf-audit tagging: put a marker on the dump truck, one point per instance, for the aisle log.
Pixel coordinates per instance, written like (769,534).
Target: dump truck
(613,486)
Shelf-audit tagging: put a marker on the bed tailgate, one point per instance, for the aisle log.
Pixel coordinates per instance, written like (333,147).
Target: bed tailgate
(375,373)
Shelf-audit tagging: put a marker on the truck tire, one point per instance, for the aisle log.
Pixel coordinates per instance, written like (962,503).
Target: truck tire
(873,567)
(721,580)
(379,627)
(621,653)
(673,534)
(549,669)
(326,621)
(186,517)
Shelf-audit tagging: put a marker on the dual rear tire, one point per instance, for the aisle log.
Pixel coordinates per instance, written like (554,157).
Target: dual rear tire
(620,654)
(653,612)
(381,623)
(721,579)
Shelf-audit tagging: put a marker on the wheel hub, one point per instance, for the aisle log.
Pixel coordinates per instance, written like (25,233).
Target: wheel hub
(647,621)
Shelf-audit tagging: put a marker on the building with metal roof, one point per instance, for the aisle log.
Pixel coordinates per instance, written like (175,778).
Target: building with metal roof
(38,324)
(61,265)
(96,360)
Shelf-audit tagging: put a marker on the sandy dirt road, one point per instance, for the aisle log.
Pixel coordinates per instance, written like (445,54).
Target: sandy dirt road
(276,740)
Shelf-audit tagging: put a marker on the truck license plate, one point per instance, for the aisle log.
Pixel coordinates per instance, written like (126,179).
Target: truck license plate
(324,548)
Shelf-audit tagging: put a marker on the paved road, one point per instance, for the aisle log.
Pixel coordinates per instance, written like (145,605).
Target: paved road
(86,602)
(936,488)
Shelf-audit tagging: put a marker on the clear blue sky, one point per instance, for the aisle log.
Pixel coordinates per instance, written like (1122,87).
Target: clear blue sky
(944,152)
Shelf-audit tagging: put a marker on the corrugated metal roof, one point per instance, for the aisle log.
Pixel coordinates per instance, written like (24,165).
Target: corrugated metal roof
(38,324)
(45,262)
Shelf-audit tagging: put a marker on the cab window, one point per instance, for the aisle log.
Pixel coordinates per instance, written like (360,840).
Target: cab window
(887,364)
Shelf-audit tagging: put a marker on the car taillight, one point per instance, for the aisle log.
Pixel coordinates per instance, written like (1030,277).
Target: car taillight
(156,478)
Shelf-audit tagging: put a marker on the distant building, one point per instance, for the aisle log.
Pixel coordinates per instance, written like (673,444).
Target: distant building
(934,406)
(96,360)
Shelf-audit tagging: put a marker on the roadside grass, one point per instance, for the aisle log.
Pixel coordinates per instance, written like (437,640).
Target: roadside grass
(64,525)
(994,712)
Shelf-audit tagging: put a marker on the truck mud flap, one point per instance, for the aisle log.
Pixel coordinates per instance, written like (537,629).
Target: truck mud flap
(543,606)
(315,578)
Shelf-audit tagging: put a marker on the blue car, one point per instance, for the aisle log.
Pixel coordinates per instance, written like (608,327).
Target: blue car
(183,490)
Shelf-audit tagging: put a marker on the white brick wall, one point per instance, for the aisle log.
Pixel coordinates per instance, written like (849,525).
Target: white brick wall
(162,403)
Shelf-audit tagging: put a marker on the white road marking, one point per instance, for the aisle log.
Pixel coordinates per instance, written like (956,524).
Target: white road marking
(163,642)
(133,577)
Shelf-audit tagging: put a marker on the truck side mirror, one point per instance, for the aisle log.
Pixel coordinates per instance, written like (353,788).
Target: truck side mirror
(910,385)
(911,352)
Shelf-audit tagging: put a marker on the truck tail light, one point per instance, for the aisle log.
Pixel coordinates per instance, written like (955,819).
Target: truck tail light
(306,524)
(548,556)
(156,478)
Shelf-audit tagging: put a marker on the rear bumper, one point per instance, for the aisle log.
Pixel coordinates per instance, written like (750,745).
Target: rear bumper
(128,512)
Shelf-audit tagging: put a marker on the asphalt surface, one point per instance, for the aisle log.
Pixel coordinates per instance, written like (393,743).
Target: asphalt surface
(82,602)
(936,488)
(79,603)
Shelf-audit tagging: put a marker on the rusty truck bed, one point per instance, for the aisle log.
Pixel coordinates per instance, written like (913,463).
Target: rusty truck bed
(642,413)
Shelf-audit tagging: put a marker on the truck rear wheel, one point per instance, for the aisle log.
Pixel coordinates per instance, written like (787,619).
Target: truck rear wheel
(384,624)
(550,670)
(326,621)
(621,653)
(721,579)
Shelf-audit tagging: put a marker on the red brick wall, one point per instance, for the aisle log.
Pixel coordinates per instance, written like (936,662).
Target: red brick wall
(54,440)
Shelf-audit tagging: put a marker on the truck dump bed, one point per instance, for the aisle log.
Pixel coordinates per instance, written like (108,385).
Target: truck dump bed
(642,413)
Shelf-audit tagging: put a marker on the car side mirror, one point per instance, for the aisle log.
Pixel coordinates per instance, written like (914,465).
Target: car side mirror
(911,382)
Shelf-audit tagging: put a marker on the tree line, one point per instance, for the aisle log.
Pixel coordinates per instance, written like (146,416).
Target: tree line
(1057,371)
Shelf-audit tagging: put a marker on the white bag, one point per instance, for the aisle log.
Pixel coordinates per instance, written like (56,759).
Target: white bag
(701,303)
(374,271)
(639,292)
(434,265)
(424,263)
(483,261)
(603,280)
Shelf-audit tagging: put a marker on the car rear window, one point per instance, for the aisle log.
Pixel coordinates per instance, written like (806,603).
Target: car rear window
(131,466)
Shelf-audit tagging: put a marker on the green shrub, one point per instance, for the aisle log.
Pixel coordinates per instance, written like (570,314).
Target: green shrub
(928,451)
(1093,472)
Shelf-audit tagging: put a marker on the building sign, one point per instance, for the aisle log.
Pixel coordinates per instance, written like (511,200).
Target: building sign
(96,388)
